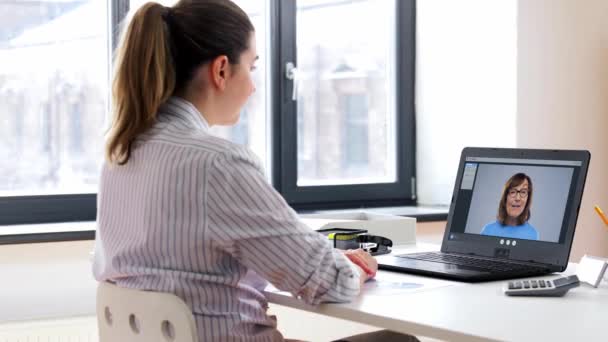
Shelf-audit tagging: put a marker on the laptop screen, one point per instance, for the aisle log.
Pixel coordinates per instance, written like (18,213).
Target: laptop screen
(517,199)
(518,204)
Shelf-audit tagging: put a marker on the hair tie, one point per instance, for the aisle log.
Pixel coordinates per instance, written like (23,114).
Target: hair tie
(167,14)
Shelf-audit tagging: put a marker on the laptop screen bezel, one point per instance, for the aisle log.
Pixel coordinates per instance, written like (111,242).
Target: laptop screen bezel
(553,255)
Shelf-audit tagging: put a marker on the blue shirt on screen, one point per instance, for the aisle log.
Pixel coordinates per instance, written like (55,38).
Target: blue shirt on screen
(524,231)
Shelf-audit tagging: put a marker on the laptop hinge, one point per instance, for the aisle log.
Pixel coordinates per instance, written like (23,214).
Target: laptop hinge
(550,267)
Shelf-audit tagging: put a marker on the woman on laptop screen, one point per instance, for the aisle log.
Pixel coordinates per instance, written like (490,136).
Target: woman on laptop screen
(514,210)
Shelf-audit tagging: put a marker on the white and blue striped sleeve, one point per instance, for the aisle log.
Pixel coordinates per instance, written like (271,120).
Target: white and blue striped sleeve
(250,220)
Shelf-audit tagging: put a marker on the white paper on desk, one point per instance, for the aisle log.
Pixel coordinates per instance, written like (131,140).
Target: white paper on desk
(388,284)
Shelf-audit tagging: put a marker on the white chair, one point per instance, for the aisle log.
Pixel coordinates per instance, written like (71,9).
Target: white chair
(127,315)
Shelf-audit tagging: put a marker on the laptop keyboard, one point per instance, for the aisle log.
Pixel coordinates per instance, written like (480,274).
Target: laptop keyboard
(495,266)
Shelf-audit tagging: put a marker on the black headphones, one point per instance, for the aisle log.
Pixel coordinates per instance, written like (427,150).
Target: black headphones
(379,244)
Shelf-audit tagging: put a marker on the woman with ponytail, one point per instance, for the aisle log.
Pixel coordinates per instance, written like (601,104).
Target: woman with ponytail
(185,212)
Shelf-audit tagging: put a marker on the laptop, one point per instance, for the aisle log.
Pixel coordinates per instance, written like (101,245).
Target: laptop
(513,214)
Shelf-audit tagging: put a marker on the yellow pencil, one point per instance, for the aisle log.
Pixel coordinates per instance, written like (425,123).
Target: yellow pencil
(602,216)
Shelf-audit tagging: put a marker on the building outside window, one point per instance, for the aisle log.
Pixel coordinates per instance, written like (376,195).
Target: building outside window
(55,74)
(54,65)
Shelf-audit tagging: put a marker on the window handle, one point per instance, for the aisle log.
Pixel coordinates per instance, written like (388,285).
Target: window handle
(291,73)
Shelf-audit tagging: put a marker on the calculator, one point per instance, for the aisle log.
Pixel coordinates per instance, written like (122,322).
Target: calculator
(541,287)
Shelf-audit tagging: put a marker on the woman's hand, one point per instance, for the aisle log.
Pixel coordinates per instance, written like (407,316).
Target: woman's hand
(367,264)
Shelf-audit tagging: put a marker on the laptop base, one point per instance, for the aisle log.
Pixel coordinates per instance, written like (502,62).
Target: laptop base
(451,271)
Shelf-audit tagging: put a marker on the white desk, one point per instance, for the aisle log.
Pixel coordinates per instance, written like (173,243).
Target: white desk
(475,312)
(54,280)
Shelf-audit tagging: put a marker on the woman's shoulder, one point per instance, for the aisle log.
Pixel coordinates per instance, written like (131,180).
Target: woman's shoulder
(218,144)
(230,152)
(528,226)
(200,143)
(491,226)
(529,231)
(197,140)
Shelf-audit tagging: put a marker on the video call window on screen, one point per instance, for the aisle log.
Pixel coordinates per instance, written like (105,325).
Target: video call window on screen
(519,201)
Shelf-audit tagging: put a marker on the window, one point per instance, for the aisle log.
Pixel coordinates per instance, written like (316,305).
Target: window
(53,86)
(59,77)
(54,65)
(355,136)
(350,87)
(335,61)
(348,139)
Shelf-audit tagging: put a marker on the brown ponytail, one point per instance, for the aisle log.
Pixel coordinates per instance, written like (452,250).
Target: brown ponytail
(144,79)
(159,54)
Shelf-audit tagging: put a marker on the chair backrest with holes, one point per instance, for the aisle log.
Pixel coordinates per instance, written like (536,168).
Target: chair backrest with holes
(133,315)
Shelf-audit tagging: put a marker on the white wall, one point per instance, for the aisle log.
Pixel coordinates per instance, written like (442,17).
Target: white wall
(562,93)
(465,84)
(514,73)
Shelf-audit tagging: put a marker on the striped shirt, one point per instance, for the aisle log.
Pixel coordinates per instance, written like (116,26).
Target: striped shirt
(192,214)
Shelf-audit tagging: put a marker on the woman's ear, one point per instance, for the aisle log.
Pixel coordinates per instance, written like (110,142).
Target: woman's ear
(219,72)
